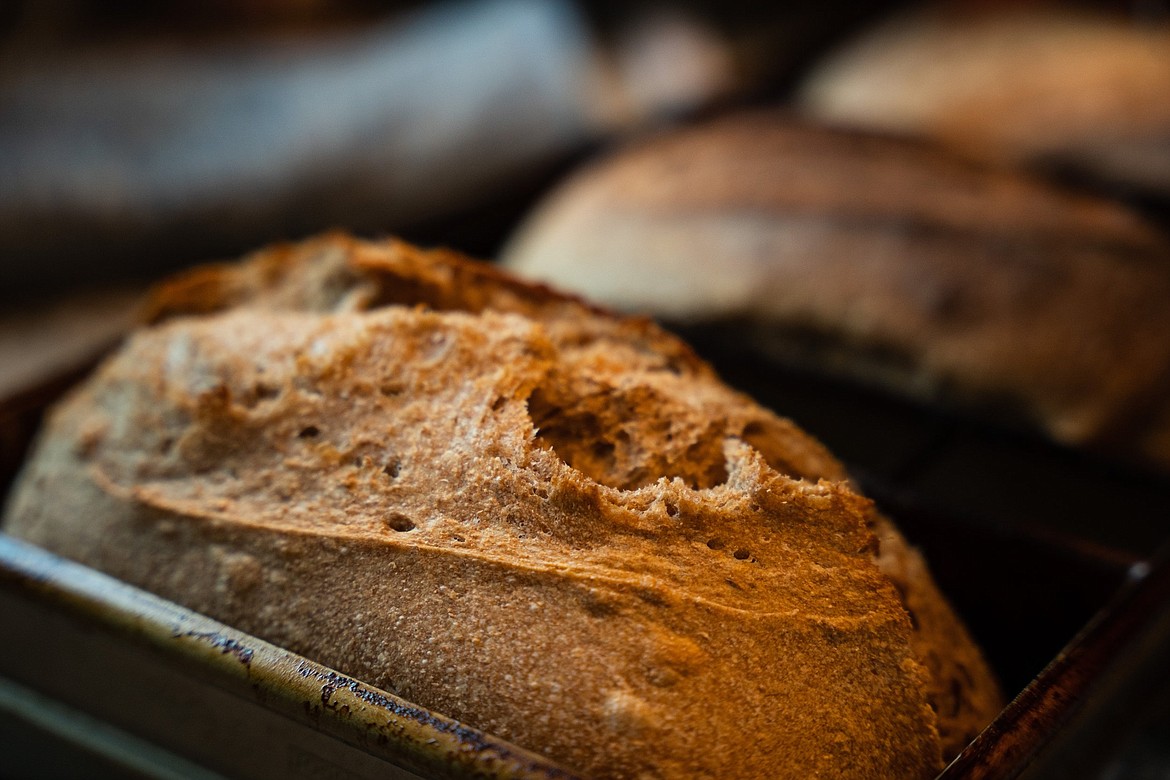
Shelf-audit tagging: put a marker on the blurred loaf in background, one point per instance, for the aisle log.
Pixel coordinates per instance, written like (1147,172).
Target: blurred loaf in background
(883,260)
(116,155)
(144,149)
(139,137)
(1075,89)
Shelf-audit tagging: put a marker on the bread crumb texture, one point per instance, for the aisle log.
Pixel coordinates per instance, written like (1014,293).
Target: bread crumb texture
(498,502)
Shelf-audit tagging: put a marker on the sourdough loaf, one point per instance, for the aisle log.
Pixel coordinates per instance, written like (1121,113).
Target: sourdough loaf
(884,260)
(1079,89)
(552,523)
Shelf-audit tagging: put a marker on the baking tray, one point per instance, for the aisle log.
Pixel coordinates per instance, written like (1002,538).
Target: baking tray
(162,691)
(1071,606)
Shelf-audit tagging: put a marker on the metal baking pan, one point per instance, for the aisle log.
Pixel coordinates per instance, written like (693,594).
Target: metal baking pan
(100,679)
(155,689)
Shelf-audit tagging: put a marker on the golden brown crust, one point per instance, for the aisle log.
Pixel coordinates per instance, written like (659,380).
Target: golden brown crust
(366,484)
(882,259)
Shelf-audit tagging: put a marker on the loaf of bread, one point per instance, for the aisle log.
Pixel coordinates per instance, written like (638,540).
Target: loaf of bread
(506,505)
(883,260)
(1081,90)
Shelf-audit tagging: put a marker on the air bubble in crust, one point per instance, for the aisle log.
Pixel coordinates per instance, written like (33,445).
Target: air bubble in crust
(399,522)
